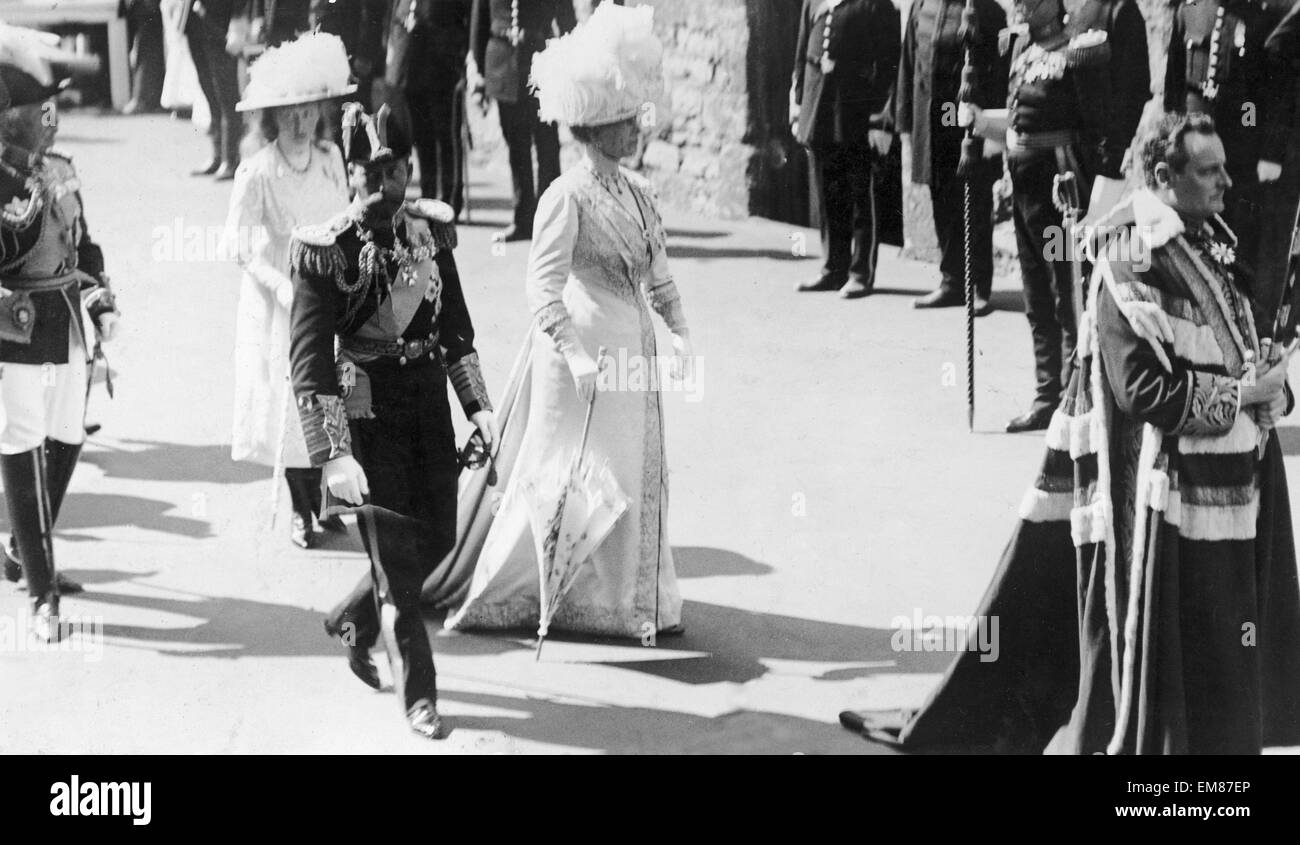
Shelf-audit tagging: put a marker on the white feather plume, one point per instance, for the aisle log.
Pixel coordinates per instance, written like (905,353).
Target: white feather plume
(608,69)
(311,67)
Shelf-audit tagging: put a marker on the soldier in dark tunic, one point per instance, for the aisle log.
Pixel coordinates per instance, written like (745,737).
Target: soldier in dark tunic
(427,44)
(504,35)
(845,69)
(49,268)
(1079,81)
(1217,65)
(381,279)
(929,79)
(360,23)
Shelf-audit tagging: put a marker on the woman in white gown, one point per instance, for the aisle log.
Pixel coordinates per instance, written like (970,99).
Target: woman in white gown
(596,271)
(295,177)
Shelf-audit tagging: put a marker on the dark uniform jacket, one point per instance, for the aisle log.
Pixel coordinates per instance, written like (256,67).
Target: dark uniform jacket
(51,242)
(1071,89)
(1284,43)
(929,77)
(432,54)
(214,21)
(505,66)
(1243,73)
(283,20)
(840,108)
(332,299)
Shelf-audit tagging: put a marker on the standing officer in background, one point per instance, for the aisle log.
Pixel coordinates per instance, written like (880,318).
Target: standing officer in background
(428,41)
(504,35)
(204,25)
(49,269)
(1079,81)
(845,70)
(1217,65)
(360,24)
(929,79)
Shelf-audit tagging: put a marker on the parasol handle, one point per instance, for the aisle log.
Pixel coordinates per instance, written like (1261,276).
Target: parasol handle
(591,405)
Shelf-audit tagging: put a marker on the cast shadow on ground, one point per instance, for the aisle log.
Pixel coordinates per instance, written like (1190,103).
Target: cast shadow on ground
(708,253)
(703,562)
(152,460)
(695,233)
(1008,300)
(640,730)
(100,510)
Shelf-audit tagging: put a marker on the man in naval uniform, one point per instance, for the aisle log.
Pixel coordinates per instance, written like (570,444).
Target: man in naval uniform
(381,279)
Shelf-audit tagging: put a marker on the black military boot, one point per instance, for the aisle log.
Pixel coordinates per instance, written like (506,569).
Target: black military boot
(30,518)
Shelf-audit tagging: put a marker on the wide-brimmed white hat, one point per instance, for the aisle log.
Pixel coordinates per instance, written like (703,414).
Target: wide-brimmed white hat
(609,68)
(310,68)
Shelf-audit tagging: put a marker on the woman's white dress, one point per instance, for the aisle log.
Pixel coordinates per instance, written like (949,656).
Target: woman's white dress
(270,198)
(596,271)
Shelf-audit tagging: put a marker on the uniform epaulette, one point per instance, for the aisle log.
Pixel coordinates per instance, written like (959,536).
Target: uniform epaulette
(1089,49)
(440,218)
(314,250)
(322,234)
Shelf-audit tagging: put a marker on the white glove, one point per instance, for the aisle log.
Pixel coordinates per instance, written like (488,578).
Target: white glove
(683,363)
(1268,171)
(584,370)
(106,325)
(486,423)
(880,141)
(284,294)
(346,479)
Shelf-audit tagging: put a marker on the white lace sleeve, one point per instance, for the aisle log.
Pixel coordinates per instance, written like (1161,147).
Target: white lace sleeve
(247,235)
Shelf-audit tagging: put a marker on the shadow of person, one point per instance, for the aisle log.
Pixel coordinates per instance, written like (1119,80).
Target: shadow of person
(739,643)
(1008,300)
(100,510)
(152,460)
(704,562)
(229,627)
(642,730)
(93,577)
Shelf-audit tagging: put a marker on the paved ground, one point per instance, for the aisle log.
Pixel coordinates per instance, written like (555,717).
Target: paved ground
(824,484)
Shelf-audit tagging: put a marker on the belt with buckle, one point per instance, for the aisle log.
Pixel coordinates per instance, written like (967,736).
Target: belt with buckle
(402,350)
(1020,141)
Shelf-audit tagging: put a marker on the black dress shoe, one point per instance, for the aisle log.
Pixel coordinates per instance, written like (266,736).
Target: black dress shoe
(361,664)
(332,523)
(424,719)
(207,169)
(941,298)
(982,306)
(514,233)
(821,283)
(225,172)
(14,572)
(855,288)
(1036,419)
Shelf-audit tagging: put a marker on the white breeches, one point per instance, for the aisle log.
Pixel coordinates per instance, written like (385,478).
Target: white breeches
(43,400)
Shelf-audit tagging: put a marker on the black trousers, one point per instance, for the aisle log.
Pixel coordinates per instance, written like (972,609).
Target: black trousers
(436,116)
(1045,271)
(144,23)
(948,196)
(846,188)
(522,129)
(304,491)
(408,452)
(219,80)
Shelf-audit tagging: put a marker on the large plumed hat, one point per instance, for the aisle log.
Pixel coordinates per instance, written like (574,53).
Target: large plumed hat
(310,68)
(607,69)
(26,66)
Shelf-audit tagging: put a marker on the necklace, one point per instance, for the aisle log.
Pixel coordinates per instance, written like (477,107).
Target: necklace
(289,164)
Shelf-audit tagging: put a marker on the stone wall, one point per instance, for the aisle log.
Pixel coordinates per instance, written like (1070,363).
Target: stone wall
(727,152)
